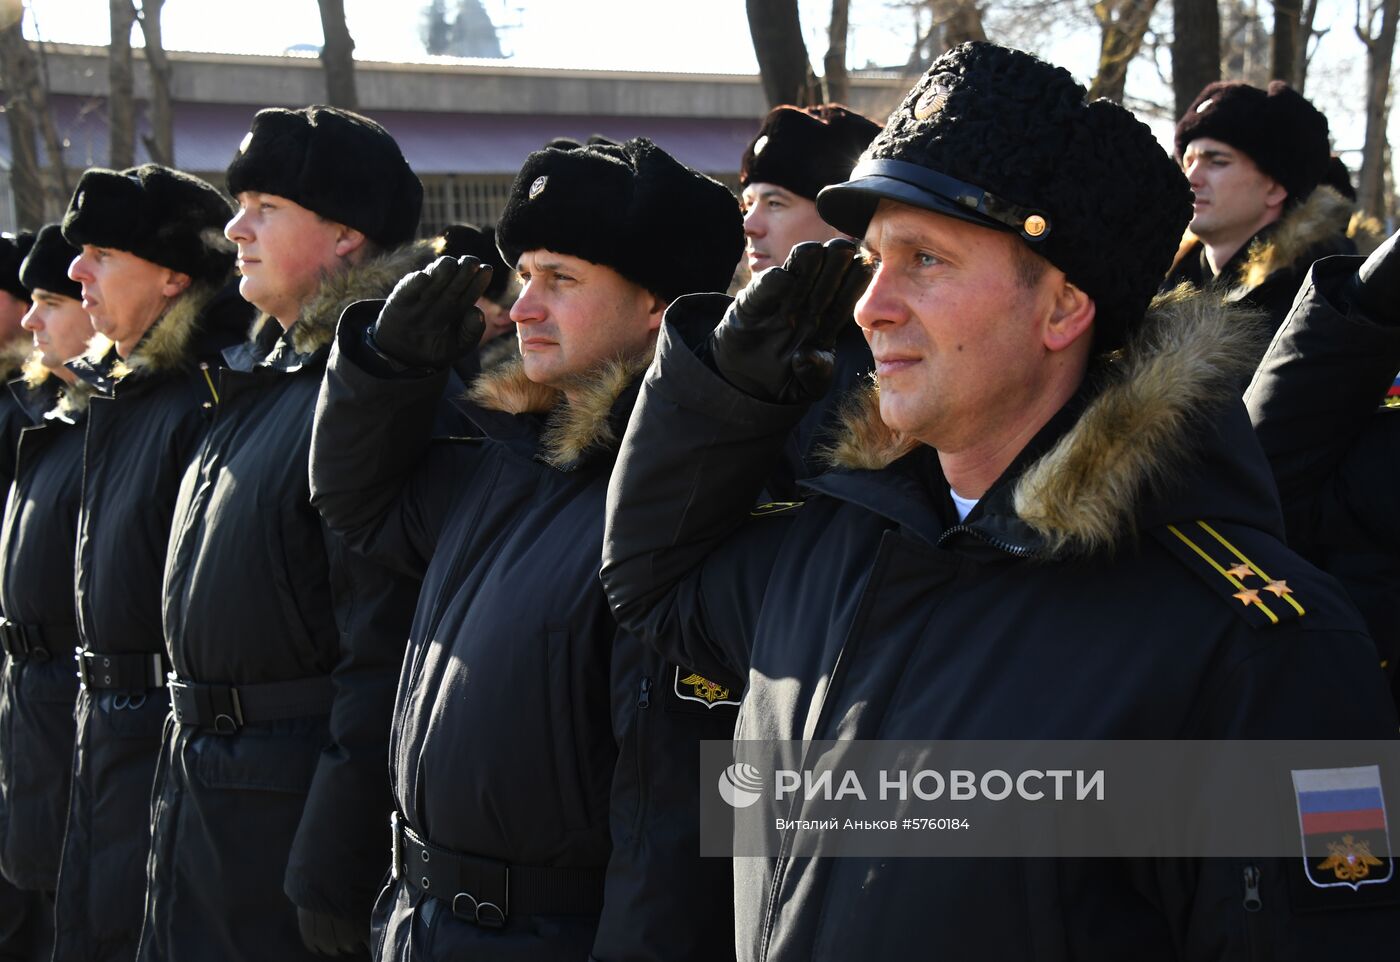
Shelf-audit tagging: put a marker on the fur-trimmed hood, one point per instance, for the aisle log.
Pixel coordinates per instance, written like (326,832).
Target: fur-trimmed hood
(1145,411)
(574,432)
(314,329)
(1323,217)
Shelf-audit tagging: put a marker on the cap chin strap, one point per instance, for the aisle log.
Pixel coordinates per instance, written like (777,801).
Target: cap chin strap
(1033,225)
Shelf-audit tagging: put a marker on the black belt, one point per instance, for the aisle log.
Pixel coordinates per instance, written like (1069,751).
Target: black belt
(21,642)
(227,708)
(485,891)
(131,671)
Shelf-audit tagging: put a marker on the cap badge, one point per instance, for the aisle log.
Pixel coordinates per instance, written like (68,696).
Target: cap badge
(538,186)
(931,102)
(759,144)
(243,144)
(1035,226)
(1204,105)
(78,201)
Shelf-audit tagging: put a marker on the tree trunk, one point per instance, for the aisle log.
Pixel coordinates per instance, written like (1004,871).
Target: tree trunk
(961,21)
(160,143)
(58,189)
(1305,36)
(26,184)
(1380,46)
(338,56)
(121,97)
(1283,53)
(1195,49)
(782,56)
(838,81)
(1122,26)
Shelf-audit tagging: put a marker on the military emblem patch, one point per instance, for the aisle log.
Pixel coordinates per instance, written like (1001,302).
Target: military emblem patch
(1341,817)
(689,686)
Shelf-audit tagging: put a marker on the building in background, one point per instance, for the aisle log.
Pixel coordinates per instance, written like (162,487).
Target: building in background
(465,126)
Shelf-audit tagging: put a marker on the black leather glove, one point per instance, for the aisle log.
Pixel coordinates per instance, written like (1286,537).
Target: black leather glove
(431,318)
(331,935)
(776,342)
(1375,292)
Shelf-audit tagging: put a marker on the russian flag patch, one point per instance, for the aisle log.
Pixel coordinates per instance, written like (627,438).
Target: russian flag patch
(1341,815)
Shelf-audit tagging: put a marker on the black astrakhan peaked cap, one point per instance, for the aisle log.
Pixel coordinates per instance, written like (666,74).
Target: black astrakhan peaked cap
(336,163)
(165,216)
(999,138)
(46,265)
(13,249)
(631,207)
(1280,130)
(806,149)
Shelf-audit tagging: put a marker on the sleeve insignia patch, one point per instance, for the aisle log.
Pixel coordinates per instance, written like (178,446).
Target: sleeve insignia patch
(1341,817)
(697,688)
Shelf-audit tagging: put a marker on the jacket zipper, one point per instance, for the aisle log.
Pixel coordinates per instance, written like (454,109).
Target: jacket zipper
(1019,551)
(639,747)
(1252,905)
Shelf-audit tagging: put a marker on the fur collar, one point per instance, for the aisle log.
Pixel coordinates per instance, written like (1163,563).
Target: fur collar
(15,355)
(373,277)
(1082,496)
(1323,216)
(573,429)
(166,346)
(71,399)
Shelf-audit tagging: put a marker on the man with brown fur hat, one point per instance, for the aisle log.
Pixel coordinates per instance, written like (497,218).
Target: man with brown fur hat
(154,274)
(545,764)
(1259,164)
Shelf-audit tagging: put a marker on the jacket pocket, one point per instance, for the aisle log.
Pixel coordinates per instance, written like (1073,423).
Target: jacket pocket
(275,757)
(560,680)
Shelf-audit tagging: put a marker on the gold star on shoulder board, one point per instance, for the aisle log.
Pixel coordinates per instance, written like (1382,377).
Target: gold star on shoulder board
(1248,596)
(1279,588)
(1240,570)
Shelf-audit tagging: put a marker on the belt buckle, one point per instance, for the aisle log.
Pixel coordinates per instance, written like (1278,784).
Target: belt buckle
(396,847)
(489,915)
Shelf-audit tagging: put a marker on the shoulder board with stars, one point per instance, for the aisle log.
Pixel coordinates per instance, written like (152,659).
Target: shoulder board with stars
(774,507)
(1244,575)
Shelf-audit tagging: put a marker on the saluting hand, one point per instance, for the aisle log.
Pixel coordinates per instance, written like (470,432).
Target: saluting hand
(1377,292)
(431,319)
(776,342)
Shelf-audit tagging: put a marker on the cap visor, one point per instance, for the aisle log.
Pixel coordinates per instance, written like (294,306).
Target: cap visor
(848,207)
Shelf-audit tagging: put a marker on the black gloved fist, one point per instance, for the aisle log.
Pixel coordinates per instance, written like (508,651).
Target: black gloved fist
(330,934)
(1376,292)
(431,318)
(776,342)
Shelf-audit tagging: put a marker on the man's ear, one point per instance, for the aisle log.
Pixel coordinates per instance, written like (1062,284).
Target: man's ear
(1071,318)
(1274,193)
(348,241)
(175,284)
(658,308)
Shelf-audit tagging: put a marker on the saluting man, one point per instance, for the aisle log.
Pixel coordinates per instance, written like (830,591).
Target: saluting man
(544,763)
(1048,522)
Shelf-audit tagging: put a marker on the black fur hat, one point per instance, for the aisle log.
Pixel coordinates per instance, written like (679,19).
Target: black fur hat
(13,249)
(46,265)
(1000,138)
(167,217)
(804,150)
(632,207)
(336,163)
(468,240)
(1284,134)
